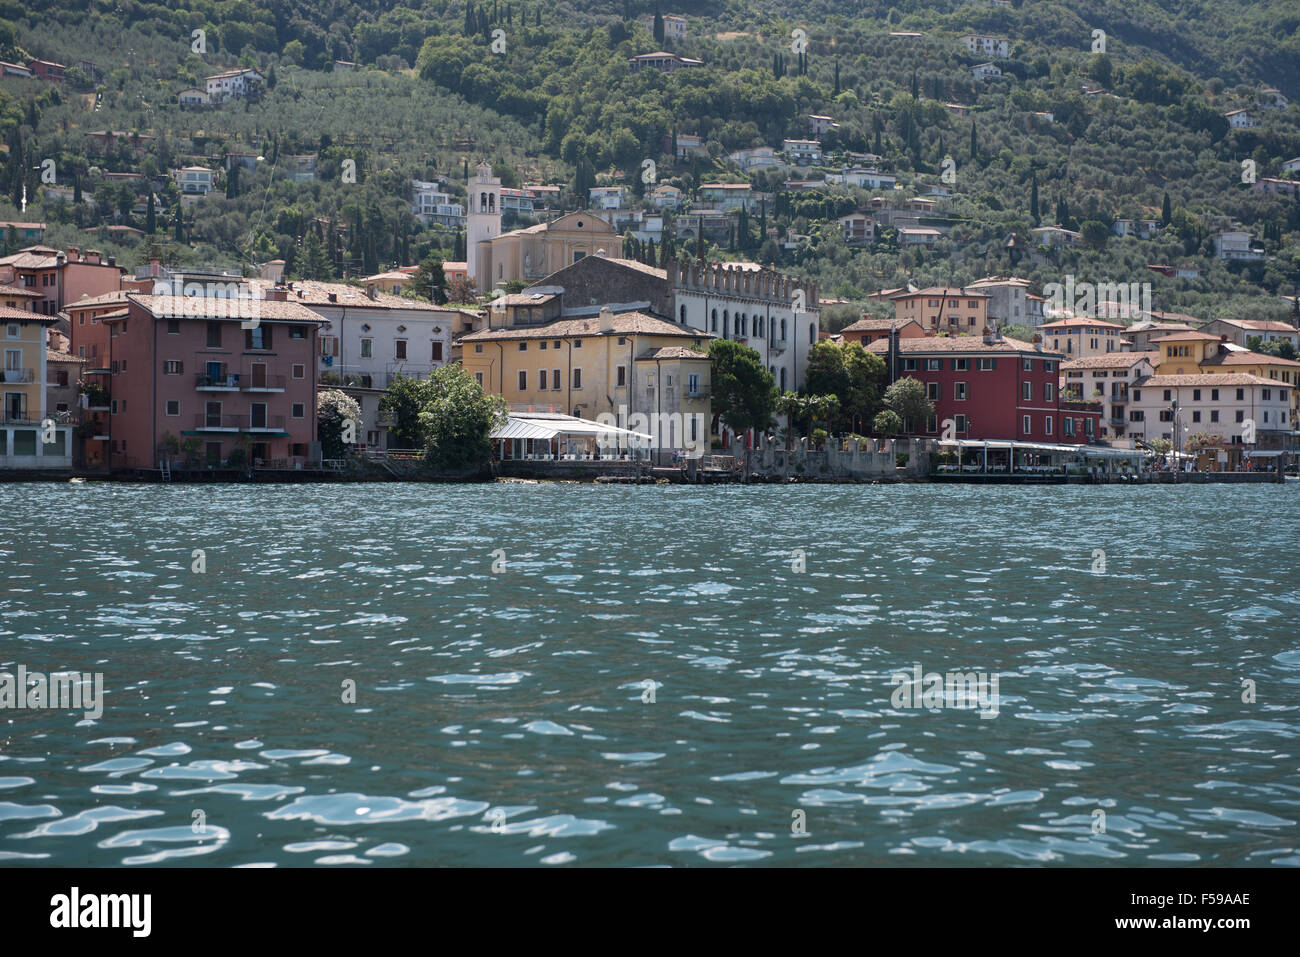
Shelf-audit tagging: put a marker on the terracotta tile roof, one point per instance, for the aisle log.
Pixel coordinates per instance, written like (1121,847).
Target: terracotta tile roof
(52,355)
(876,325)
(961,344)
(941,291)
(1111,360)
(311,293)
(90,302)
(525,298)
(9,313)
(1239,358)
(674,352)
(1208,379)
(1188,336)
(1261,325)
(33,257)
(203,307)
(18,291)
(625,324)
(1079,321)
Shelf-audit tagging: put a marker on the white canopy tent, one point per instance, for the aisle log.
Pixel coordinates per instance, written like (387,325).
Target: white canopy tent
(523,432)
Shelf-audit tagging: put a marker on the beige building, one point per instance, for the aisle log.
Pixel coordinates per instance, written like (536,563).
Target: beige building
(621,364)
(947,309)
(534,252)
(1079,338)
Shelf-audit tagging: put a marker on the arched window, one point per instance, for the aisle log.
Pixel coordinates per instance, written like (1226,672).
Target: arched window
(782,378)
(726,322)
(741,325)
(683,315)
(812,333)
(482,202)
(492,202)
(783,330)
(713,324)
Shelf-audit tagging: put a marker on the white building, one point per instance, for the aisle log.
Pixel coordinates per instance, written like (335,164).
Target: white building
(193,180)
(1242,120)
(432,204)
(1108,378)
(608,197)
(1008,300)
(775,314)
(1291,165)
(192,98)
(917,236)
(1217,403)
(760,157)
(864,178)
(986,71)
(1235,244)
(233,83)
(1137,228)
(994,47)
(802,152)
(819,123)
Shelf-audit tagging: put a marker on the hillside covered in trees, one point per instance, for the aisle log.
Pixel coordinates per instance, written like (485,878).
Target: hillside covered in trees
(546,93)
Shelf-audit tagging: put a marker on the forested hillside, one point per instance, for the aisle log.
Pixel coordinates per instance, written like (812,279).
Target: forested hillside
(1135,132)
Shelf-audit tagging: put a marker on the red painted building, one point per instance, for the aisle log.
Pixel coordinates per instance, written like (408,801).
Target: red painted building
(992,388)
(47,70)
(186,366)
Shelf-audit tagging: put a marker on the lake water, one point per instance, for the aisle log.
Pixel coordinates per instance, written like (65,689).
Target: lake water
(652,675)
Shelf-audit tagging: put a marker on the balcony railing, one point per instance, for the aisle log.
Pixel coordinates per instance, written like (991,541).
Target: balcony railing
(266,383)
(224,381)
(19,417)
(17,375)
(238,423)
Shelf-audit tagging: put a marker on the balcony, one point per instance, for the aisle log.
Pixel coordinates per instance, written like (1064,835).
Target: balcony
(222,382)
(262,383)
(19,417)
(17,375)
(238,423)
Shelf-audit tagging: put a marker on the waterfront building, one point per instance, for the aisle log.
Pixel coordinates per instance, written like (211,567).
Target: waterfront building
(990,387)
(1079,338)
(946,309)
(29,438)
(1106,378)
(185,367)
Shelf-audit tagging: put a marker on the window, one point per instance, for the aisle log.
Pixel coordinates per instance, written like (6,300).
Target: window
(1049,365)
(399,348)
(299,370)
(932,423)
(478,348)
(1047,425)
(1196,395)
(541,379)
(173,367)
(909,365)
(933,364)
(173,326)
(577,378)
(542,345)
(214,335)
(258,338)
(478,377)
(113,407)
(61,378)
(1137,395)
(1196,415)
(1136,415)
(960,365)
(1241,395)
(1025,425)
(297,332)
(1027,364)
(1214,415)
(1168,394)
(984,365)
(959,391)
(1268,394)
(1067,426)
(932,391)
(1026,390)
(367,348)
(1049,392)
(1241,415)
(555,344)
(173,407)
(298,410)
(693,384)
(1089,427)
(523,346)
(577,343)
(620,376)
(812,333)
(962,423)
(523,380)
(435,352)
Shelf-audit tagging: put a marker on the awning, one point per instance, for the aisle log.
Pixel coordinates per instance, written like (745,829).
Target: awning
(550,425)
(1271,454)
(1006,444)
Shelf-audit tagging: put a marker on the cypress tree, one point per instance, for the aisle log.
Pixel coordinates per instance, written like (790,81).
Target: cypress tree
(178,226)
(1166,213)
(1033,200)
(658,25)
(150,217)
(974,143)
(837,77)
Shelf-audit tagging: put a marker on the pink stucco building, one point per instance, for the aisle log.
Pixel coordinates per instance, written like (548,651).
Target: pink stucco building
(237,375)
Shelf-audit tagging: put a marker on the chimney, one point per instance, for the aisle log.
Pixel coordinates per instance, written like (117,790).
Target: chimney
(606,321)
(92,256)
(275,294)
(73,253)
(333,297)
(370,291)
(1038,342)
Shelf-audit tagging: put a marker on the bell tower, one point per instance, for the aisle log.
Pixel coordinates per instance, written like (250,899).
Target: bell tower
(484,223)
